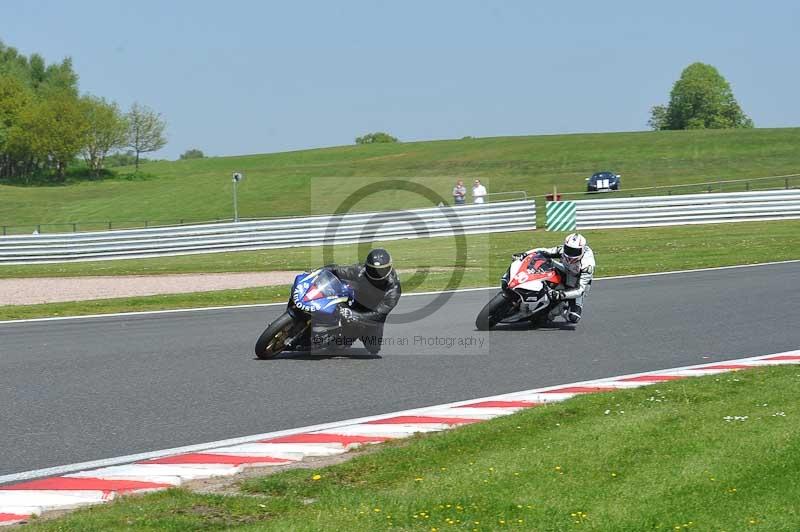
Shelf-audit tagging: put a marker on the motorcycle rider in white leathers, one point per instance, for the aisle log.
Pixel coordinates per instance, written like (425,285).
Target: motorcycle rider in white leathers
(577,268)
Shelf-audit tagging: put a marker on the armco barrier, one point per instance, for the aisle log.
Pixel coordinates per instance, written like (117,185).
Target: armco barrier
(689,209)
(269,234)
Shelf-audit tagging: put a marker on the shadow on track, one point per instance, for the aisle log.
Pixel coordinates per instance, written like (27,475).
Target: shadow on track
(352,354)
(529,326)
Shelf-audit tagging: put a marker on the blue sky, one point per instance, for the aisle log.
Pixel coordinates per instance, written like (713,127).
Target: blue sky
(241,77)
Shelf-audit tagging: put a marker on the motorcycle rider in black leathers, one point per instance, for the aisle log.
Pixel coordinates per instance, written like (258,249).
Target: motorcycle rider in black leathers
(377,291)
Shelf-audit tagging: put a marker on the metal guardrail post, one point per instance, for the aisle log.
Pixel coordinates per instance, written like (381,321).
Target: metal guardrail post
(74,228)
(786,181)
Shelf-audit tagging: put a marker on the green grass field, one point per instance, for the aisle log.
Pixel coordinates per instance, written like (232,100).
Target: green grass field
(300,182)
(429,264)
(657,458)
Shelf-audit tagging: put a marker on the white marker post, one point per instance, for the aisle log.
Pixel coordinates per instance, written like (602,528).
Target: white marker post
(237,176)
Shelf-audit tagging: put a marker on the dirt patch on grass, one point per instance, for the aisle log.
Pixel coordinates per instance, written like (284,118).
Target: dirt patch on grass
(60,289)
(35,291)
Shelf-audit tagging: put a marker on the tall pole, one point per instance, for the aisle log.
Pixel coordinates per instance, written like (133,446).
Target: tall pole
(235,205)
(237,176)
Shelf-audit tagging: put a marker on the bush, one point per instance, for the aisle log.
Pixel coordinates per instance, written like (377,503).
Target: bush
(192,154)
(376,138)
(127,158)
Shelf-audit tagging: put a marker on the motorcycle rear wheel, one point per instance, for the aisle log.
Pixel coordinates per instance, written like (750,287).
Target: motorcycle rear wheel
(273,340)
(493,312)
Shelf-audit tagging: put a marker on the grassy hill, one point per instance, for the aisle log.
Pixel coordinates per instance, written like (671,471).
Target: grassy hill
(311,181)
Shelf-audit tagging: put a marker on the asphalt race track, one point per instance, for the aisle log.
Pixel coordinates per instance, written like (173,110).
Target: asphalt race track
(79,390)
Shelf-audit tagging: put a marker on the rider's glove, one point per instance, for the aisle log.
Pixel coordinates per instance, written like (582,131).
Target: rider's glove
(519,256)
(557,295)
(346,314)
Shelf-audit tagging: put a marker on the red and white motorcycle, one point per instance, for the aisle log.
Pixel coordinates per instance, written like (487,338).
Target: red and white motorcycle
(525,293)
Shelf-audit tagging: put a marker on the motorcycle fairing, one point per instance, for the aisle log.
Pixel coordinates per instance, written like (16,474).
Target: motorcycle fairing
(531,271)
(320,292)
(526,279)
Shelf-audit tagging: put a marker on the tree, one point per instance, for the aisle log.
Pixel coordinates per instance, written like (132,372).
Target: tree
(107,131)
(700,99)
(14,98)
(658,117)
(53,130)
(192,154)
(375,138)
(145,130)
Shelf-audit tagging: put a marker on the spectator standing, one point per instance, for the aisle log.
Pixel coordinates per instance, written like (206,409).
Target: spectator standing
(478,192)
(459,193)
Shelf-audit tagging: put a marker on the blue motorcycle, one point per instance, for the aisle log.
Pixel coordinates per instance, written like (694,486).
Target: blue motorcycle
(311,318)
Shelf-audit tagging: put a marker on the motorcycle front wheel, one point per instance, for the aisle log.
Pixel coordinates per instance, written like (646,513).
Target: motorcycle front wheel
(273,340)
(495,310)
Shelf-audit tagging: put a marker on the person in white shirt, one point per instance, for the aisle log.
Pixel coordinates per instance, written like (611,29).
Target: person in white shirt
(478,192)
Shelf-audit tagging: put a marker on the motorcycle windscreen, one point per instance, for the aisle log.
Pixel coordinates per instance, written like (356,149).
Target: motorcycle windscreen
(325,284)
(318,291)
(540,264)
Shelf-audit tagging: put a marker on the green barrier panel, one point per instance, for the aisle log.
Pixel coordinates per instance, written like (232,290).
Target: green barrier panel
(560,216)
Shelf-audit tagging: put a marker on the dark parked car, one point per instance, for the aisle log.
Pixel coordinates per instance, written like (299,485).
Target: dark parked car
(603,181)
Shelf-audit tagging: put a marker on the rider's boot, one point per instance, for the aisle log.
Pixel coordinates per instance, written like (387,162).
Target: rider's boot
(573,312)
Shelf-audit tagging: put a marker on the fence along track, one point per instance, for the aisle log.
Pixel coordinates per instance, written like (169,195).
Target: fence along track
(688,209)
(269,234)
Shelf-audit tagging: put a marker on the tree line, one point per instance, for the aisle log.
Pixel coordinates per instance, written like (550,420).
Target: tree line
(46,125)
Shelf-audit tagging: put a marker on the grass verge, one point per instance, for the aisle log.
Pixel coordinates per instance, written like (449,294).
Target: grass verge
(672,456)
(618,252)
(317,181)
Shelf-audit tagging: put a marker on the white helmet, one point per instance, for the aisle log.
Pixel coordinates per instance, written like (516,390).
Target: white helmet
(574,248)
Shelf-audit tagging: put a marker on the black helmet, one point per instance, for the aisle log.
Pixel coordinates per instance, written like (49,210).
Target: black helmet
(378,264)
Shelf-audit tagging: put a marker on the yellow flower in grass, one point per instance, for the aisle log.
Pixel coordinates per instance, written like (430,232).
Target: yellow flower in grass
(316,477)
